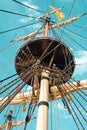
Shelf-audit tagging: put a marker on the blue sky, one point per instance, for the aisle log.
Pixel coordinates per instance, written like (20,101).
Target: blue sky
(7,56)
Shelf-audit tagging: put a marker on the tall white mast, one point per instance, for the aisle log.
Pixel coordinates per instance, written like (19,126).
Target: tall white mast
(42,119)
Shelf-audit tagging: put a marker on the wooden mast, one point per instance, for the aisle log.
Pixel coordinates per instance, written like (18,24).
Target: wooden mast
(42,119)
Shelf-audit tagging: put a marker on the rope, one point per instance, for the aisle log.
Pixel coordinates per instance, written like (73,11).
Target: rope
(8,78)
(73,108)
(74,33)
(15,13)
(12,29)
(28,6)
(68,17)
(76,42)
(13,94)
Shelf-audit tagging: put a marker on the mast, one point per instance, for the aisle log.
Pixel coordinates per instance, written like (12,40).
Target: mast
(60,24)
(42,119)
(9,120)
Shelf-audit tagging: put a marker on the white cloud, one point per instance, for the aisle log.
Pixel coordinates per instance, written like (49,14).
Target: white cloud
(29,88)
(29,11)
(82,57)
(81,62)
(62,110)
(59,105)
(28,4)
(24,20)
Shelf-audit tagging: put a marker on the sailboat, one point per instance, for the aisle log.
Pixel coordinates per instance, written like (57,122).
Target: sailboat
(44,66)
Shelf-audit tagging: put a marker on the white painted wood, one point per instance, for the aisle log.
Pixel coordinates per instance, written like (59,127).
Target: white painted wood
(42,119)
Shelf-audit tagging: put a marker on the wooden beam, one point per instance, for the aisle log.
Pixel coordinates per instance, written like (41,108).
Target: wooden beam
(53,26)
(54,94)
(47,14)
(12,124)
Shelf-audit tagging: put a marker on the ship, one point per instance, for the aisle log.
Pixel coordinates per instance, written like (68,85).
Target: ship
(41,88)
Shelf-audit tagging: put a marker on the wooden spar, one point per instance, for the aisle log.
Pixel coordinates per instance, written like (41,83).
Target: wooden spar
(53,26)
(8,125)
(54,94)
(45,15)
(14,124)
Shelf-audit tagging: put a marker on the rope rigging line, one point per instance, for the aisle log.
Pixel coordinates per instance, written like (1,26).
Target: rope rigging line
(30,112)
(28,6)
(38,30)
(26,36)
(70,83)
(15,13)
(44,54)
(65,73)
(74,33)
(13,93)
(16,91)
(55,33)
(16,113)
(6,102)
(9,85)
(75,41)
(13,82)
(3,49)
(29,74)
(79,111)
(66,103)
(78,84)
(10,44)
(75,114)
(79,104)
(67,40)
(31,108)
(77,99)
(70,38)
(12,29)
(63,99)
(68,17)
(81,28)
(72,8)
(8,77)
(50,51)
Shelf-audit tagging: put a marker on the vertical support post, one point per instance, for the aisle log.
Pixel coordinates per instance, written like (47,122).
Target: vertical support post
(42,119)
(46,26)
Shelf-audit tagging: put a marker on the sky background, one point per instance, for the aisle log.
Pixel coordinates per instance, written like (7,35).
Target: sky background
(78,46)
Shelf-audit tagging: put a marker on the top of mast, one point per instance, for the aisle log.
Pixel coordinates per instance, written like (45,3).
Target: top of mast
(60,24)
